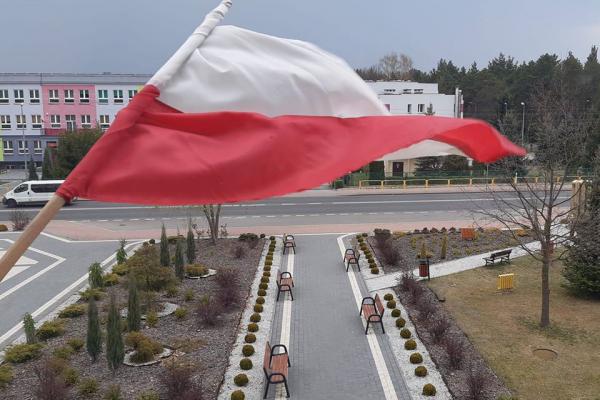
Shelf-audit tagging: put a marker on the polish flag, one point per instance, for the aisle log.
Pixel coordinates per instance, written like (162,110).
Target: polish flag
(237,115)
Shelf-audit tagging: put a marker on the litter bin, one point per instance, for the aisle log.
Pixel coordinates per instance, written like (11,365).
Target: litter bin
(424,268)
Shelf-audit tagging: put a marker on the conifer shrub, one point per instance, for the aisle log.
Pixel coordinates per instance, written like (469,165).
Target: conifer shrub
(50,329)
(111,279)
(263,286)
(180,313)
(391,304)
(63,352)
(72,311)
(421,371)
(247,350)
(250,338)
(121,253)
(95,278)
(29,328)
(134,308)
(152,319)
(97,294)
(261,292)
(70,376)
(241,379)
(252,327)
(190,245)
(395,313)
(113,392)
(93,336)
(255,317)
(115,351)
(246,364)
(20,353)
(388,297)
(410,344)
(238,395)
(400,322)
(165,257)
(260,300)
(88,387)
(6,375)
(416,358)
(76,344)
(258,308)
(405,333)
(429,390)
(179,261)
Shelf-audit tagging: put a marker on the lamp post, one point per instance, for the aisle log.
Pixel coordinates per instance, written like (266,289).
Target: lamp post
(23,139)
(523,125)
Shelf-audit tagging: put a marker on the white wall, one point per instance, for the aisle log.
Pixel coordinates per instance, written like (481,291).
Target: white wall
(13,109)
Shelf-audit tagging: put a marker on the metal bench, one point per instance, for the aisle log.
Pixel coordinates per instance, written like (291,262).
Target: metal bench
(351,256)
(501,256)
(372,311)
(289,243)
(276,367)
(285,283)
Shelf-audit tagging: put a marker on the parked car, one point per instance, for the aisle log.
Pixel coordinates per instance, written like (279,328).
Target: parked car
(31,192)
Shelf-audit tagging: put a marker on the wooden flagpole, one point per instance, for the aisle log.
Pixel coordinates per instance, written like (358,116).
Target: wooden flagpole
(41,220)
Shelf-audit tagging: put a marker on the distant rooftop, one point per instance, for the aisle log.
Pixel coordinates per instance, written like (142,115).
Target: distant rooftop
(402,87)
(72,78)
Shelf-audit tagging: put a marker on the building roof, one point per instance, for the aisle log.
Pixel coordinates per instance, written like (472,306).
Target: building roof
(66,78)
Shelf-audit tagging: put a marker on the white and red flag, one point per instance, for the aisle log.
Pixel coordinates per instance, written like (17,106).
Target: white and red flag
(237,115)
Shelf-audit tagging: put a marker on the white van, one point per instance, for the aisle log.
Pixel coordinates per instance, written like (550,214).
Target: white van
(31,192)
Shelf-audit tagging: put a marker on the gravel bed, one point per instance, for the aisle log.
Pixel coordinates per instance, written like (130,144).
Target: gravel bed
(456,380)
(414,383)
(207,347)
(256,377)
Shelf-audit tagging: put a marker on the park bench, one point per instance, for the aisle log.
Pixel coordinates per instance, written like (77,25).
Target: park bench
(276,367)
(467,233)
(501,256)
(372,311)
(351,256)
(285,283)
(289,243)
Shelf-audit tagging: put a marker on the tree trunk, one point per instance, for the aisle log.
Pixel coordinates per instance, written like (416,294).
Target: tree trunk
(545,317)
(212,217)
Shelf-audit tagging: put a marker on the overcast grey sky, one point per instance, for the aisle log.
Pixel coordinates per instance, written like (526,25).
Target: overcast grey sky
(139,35)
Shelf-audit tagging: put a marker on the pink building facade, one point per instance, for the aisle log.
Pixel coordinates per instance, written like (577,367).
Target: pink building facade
(68,107)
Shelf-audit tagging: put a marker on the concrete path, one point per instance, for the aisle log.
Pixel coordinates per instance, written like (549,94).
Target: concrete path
(331,356)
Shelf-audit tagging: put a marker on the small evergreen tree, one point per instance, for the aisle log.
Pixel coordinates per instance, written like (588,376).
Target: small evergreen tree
(444,249)
(190,244)
(93,337)
(47,164)
(33,176)
(29,327)
(115,351)
(95,278)
(121,253)
(179,261)
(165,257)
(134,310)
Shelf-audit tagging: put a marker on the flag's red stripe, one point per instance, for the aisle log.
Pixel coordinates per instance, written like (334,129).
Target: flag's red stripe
(155,155)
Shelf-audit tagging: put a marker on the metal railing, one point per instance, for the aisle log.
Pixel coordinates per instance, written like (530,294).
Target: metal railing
(453,181)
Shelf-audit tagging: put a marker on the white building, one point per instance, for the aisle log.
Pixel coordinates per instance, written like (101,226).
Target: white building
(413,98)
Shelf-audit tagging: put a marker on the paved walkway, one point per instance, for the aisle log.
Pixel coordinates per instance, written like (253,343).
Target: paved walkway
(331,356)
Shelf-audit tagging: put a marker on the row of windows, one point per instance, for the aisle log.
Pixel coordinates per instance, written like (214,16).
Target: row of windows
(22,146)
(409,108)
(404,91)
(54,96)
(71,121)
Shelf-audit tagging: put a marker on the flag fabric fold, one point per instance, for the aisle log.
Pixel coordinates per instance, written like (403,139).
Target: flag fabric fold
(250,116)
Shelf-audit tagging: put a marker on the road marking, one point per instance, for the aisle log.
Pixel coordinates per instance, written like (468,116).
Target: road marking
(300,215)
(13,272)
(384,375)
(134,219)
(22,260)
(102,220)
(52,301)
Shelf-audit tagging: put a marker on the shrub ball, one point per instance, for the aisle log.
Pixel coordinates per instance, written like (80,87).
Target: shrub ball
(241,380)
(405,333)
(388,297)
(429,390)
(258,308)
(250,338)
(391,304)
(247,350)
(263,286)
(246,364)
(416,358)
(395,313)
(255,317)
(253,327)
(410,345)
(421,371)
(238,395)
(261,292)
(267,274)
(375,271)
(400,322)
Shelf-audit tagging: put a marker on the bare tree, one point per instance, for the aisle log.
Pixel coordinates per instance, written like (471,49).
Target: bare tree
(543,202)
(212,214)
(395,66)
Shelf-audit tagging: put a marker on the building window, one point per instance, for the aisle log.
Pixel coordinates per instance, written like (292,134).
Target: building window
(21,123)
(421,108)
(132,93)
(53,95)
(104,121)
(407,91)
(418,91)
(37,147)
(409,109)
(34,96)
(55,121)
(103,96)
(118,96)
(388,91)
(3,96)
(388,107)
(36,122)
(84,96)
(86,121)
(23,149)
(71,124)
(5,122)
(9,150)
(19,96)
(69,96)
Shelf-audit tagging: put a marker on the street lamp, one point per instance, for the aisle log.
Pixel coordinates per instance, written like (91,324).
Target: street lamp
(523,125)
(505,107)
(23,139)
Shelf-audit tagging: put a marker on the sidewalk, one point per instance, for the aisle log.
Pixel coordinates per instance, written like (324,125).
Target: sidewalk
(331,356)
